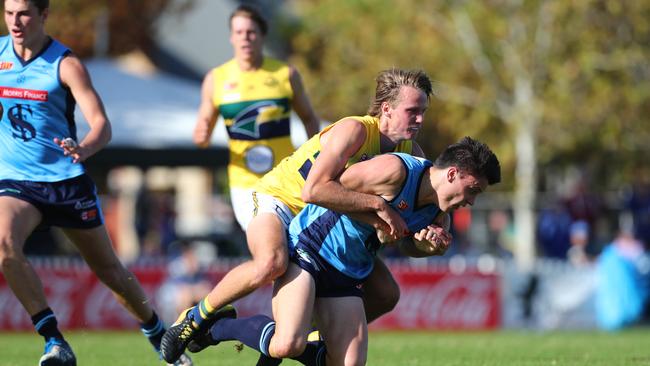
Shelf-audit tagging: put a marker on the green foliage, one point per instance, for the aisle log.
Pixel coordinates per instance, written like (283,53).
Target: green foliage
(586,62)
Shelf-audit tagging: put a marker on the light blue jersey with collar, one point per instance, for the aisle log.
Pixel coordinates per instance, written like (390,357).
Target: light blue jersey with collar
(350,246)
(36,108)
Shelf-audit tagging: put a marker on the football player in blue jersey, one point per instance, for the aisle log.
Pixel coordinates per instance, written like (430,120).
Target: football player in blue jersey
(42,180)
(331,254)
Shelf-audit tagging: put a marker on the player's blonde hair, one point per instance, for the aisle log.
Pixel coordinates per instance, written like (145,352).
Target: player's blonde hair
(389,83)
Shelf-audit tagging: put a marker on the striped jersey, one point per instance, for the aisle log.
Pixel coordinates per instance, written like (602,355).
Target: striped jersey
(256,108)
(349,245)
(286,180)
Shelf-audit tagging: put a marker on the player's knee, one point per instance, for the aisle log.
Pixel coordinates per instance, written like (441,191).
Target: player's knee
(269,268)
(286,347)
(7,248)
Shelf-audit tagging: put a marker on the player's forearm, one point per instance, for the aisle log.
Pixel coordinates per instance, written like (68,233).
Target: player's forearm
(97,138)
(334,196)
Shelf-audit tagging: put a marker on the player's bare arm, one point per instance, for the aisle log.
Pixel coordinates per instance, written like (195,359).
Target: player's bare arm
(382,176)
(208,113)
(301,104)
(323,189)
(75,76)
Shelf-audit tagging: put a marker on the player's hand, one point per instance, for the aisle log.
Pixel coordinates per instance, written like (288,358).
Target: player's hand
(72,149)
(201,135)
(433,239)
(385,238)
(397,227)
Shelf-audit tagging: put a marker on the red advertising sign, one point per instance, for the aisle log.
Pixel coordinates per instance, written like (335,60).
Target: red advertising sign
(430,299)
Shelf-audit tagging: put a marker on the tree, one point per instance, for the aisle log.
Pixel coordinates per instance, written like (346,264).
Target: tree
(540,81)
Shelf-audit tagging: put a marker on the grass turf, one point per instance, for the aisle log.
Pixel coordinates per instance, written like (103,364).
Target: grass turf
(505,348)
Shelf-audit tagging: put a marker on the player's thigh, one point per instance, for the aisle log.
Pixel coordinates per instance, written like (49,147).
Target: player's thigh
(266,237)
(342,322)
(380,284)
(18,219)
(293,303)
(94,246)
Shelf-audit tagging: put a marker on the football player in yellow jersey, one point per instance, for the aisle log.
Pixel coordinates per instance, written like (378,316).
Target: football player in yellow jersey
(395,118)
(255,95)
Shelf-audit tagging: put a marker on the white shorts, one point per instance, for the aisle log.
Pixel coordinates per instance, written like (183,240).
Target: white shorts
(242,204)
(247,203)
(265,203)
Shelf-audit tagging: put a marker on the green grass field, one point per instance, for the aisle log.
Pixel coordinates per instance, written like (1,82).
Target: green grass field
(631,347)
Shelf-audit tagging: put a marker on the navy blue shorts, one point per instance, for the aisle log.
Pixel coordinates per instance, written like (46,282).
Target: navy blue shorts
(330,282)
(70,203)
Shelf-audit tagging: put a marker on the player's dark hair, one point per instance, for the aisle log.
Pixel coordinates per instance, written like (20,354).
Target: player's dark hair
(389,83)
(473,157)
(40,5)
(248,11)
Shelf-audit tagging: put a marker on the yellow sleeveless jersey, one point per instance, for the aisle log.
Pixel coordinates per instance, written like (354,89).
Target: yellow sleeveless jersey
(256,107)
(286,180)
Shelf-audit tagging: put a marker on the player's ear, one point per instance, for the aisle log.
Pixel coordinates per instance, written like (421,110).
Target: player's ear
(452,172)
(385,109)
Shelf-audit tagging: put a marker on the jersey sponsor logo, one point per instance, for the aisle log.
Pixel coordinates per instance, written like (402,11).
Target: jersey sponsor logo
(89,215)
(230,86)
(19,93)
(271,82)
(402,205)
(18,116)
(81,205)
(305,257)
(245,122)
(6,65)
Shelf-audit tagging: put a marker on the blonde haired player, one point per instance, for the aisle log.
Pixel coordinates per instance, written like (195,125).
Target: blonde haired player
(255,95)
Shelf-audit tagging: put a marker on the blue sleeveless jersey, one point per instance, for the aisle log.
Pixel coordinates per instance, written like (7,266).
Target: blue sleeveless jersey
(350,246)
(35,108)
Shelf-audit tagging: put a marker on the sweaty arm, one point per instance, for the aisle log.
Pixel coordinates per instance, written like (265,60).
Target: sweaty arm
(208,113)
(323,189)
(75,76)
(301,104)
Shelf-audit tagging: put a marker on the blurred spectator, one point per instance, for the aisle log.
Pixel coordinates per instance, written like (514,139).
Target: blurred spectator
(623,272)
(156,222)
(578,239)
(584,205)
(500,233)
(638,203)
(461,221)
(187,283)
(553,232)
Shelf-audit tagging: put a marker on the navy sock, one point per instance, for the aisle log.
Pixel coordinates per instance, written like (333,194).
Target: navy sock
(255,332)
(268,361)
(154,330)
(46,325)
(314,354)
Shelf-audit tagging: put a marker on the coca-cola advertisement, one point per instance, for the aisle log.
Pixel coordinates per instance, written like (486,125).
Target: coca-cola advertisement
(430,299)
(438,299)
